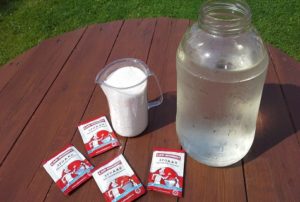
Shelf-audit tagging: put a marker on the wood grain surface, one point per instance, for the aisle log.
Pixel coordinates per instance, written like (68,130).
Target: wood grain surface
(47,91)
(26,89)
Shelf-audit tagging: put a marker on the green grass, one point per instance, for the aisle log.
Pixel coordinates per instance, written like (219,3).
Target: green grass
(24,23)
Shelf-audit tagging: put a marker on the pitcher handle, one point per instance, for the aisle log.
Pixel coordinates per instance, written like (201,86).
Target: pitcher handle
(160,99)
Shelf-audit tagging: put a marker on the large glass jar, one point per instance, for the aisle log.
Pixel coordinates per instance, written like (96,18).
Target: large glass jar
(221,68)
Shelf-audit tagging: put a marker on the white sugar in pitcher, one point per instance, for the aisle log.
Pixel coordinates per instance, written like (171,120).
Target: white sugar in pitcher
(124,82)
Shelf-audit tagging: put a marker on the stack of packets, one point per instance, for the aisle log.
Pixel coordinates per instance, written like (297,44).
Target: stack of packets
(115,178)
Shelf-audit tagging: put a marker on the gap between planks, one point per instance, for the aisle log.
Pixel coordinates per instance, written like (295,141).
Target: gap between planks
(90,97)
(47,93)
(283,93)
(42,99)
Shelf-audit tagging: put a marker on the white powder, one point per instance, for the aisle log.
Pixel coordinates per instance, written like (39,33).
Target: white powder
(125,77)
(129,106)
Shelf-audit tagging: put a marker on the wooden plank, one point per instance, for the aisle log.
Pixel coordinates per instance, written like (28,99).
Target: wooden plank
(8,70)
(23,94)
(288,71)
(272,165)
(133,41)
(204,183)
(54,123)
(161,128)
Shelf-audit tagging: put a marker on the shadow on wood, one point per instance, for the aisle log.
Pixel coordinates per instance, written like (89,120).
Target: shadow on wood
(164,114)
(274,122)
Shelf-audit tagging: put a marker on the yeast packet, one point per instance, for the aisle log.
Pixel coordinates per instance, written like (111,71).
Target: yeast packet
(166,171)
(68,168)
(97,136)
(117,181)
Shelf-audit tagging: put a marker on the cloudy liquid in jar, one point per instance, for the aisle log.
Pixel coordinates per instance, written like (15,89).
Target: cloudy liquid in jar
(216,120)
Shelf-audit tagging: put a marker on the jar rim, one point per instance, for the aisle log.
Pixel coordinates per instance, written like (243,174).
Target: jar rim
(229,17)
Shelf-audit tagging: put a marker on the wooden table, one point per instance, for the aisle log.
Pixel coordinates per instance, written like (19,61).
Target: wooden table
(47,91)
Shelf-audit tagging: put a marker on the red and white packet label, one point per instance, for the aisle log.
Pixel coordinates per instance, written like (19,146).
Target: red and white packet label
(117,181)
(69,169)
(166,171)
(98,136)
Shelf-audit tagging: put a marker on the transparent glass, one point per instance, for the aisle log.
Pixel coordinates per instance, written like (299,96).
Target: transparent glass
(221,67)
(128,105)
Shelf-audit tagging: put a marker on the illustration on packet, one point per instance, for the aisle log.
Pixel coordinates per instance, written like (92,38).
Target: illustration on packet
(166,171)
(117,181)
(98,136)
(68,168)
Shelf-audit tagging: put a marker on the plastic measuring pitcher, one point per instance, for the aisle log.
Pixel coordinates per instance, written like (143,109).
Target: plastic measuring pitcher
(124,82)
